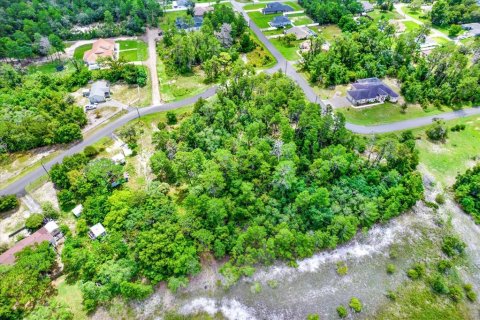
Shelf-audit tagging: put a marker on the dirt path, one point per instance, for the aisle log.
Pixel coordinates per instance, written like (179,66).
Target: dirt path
(31,204)
(152,65)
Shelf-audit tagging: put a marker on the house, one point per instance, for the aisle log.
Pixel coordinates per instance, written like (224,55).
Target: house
(77,211)
(102,48)
(200,11)
(39,236)
(301,33)
(99,92)
(472,28)
(181,4)
(97,231)
(367,6)
(276,7)
(280,22)
(370,90)
(182,24)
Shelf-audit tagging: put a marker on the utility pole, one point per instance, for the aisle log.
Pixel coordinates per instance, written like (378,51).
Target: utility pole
(43,166)
(286,66)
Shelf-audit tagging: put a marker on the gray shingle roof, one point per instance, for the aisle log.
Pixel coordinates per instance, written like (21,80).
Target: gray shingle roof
(275,7)
(370,88)
(280,21)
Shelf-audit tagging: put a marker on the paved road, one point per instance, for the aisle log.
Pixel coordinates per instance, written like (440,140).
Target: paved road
(18,186)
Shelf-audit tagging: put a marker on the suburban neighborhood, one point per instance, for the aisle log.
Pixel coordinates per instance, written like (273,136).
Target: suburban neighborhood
(307,159)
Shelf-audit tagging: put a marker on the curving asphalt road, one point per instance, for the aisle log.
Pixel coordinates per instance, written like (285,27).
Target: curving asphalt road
(18,186)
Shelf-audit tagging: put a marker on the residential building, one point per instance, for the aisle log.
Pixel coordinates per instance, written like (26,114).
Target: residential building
(77,211)
(97,231)
(276,7)
(370,90)
(301,33)
(102,48)
(99,92)
(280,22)
(367,6)
(181,4)
(200,11)
(182,24)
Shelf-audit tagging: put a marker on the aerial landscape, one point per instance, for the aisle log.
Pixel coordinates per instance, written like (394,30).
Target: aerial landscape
(239,159)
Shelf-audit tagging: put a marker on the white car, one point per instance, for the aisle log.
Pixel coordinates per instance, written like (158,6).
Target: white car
(90,107)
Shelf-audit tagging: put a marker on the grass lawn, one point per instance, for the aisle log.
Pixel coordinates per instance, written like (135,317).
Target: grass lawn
(419,15)
(72,297)
(386,113)
(254,6)
(290,53)
(440,40)
(178,87)
(377,15)
(260,19)
(50,67)
(456,155)
(130,94)
(133,50)
(302,20)
(294,5)
(78,54)
(273,32)
(170,17)
(329,32)
(410,26)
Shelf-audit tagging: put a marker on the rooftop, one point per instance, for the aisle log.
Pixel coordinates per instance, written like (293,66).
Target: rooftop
(301,32)
(101,48)
(8,257)
(370,88)
(97,231)
(273,7)
(280,21)
(367,6)
(77,210)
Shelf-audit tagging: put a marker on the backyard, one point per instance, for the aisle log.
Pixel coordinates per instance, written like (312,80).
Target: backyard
(133,50)
(328,32)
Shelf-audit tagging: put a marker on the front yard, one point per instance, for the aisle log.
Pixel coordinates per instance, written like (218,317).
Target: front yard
(262,20)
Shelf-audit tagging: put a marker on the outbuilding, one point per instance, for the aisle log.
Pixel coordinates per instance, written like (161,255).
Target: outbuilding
(97,231)
(77,211)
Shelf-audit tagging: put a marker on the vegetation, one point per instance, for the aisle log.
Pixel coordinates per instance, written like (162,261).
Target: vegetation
(448,12)
(342,311)
(355,304)
(467,192)
(34,222)
(330,11)
(31,29)
(8,202)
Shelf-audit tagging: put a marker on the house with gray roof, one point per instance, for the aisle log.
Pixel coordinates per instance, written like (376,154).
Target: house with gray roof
(99,92)
(370,90)
(276,7)
(301,32)
(280,22)
(193,25)
(367,6)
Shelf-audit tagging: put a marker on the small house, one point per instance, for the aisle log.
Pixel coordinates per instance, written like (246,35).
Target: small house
(200,11)
(367,6)
(77,211)
(301,33)
(99,92)
(276,7)
(280,22)
(370,90)
(97,231)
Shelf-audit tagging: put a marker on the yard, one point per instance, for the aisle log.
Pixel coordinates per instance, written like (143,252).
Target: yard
(440,40)
(301,20)
(262,20)
(290,53)
(50,67)
(260,58)
(377,15)
(70,295)
(410,26)
(294,5)
(133,50)
(170,17)
(254,6)
(328,32)
(78,54)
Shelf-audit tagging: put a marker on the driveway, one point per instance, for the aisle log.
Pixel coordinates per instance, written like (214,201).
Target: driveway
(152,35)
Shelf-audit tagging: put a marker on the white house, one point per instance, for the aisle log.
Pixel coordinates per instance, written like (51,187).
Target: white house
(77,211)
(97,231)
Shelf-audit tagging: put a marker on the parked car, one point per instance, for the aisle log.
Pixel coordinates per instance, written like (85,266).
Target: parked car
(90,107)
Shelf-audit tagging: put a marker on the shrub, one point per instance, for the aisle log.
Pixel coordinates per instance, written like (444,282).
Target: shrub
(438,132)
(256,288)
(458,127)
(455,293)
(161,125)
(90,152)
(444,266)
(171,118)
(412,274)
(417,271)
(452,246)
(313,317)
(342,268)
(439,285)
(175,283)
(342,311)
(391,268)
(272,284)
(49,211)
(8,202)
(440,198)
(471,295)
(356,304)
(34,222)
(454,30)
(391,295)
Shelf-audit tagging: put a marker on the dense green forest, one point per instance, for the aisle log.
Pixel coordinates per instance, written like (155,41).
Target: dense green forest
(448,76)
(30,28)
(223,35)
(447,12)
(256,175)
(36,109)
(467,192)
(330,11)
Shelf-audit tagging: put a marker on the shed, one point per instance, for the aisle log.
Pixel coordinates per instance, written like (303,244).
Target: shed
(280,22)
(52,228)
(97,231)
(77,211)
(99,92)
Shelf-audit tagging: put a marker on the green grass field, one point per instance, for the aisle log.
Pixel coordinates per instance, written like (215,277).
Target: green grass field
(290,53)
(440,40)
(133,50)
(328,32)
(456,155)
(170,17)
(273,32)
(294,5)
(50,67)
(261,57)
(410,26)
(78,54)
(72,297)
(260,19)
(302,20)
(386,113)
(254,6)
(377,15)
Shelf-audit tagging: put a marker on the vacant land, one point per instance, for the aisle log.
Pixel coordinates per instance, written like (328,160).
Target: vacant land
(290,53)
(254,6)
(133,50)
(301,20)
(260,19)
(328,32)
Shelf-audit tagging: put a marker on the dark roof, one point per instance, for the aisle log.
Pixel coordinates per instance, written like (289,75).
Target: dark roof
(182,24)
(8,257)
(184,3)
(280,21)
(370,88)
(274,7)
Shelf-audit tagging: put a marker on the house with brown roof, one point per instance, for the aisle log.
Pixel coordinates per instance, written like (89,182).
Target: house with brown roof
(39,236)
(102,48)
(200,11)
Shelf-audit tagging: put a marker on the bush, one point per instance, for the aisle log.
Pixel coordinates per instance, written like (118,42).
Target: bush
(417,271)
(313,317)
(176,283)
(391,268)
(455,293)
(49,211)
(454,30)
(90,152)
(356,304)
(391,295)
(256,288)
(342,268)
(471,295)
(444,266)
(452,246)
(438,132)
(171,118)
(8,202)
(439,285)
(440,198)
(458,127)
(342,311)
(272,284)
(412,274)
(34,222)
(161,125)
